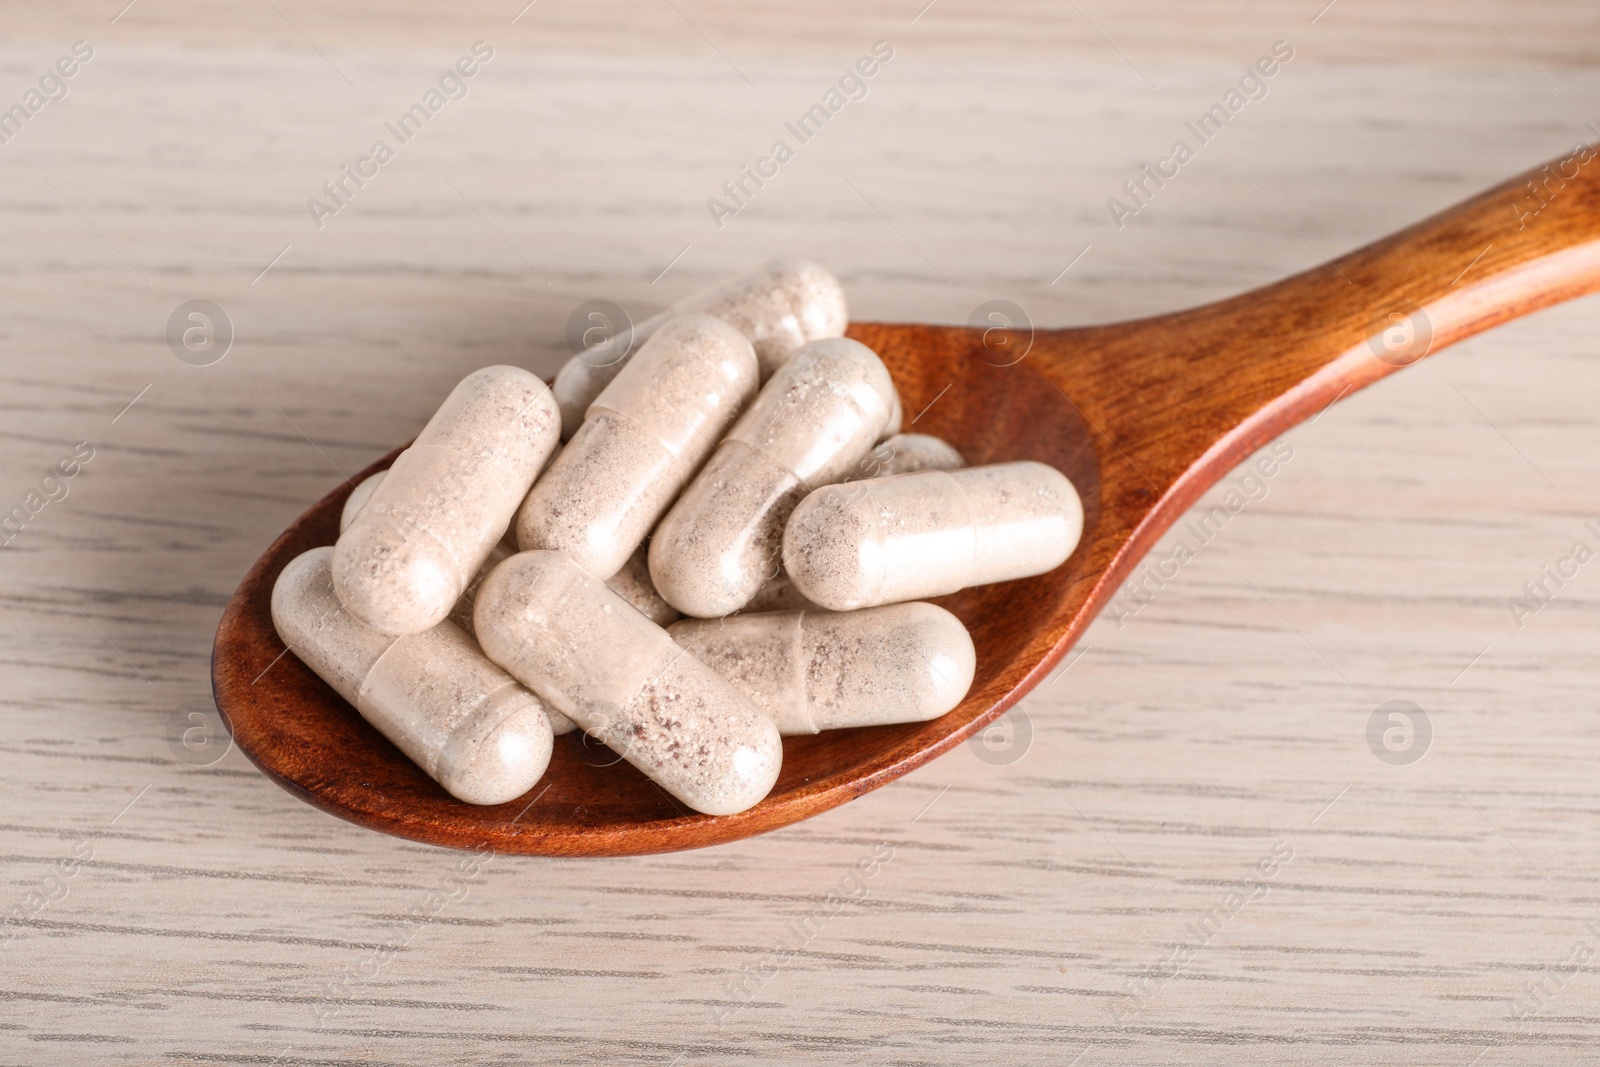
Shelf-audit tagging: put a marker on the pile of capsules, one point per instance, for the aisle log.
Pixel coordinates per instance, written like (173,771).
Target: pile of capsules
(743,467)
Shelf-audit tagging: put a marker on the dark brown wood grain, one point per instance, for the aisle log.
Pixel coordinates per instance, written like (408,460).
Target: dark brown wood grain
(1142,415)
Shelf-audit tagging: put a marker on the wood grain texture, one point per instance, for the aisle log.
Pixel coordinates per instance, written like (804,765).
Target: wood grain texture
(220,920)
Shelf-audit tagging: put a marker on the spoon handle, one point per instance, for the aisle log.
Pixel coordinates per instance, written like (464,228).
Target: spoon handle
(1203,388)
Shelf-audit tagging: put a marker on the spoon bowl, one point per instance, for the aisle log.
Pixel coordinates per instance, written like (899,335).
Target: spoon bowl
(1143,416)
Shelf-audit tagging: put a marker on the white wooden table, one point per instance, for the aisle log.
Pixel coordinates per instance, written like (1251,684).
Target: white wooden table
(1026,906)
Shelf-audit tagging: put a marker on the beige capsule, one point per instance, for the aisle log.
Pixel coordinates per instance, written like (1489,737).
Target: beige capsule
(779,307)
(577,644)
(429,525)
(900,454)
(461,611)
(644,439)
(632,582)
(461,615)
(626,582)
(778,594)
(906,453)
(822,670)
(359,495)
(358,498)
(467,723)
(921,535)
(807,428)
(897,415)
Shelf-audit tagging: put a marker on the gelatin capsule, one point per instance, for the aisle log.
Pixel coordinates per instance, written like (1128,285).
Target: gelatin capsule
(575,642)
(822,670)
(632,582)
(808,427)
(907,453)
(429,525)
(900,454)
(461,611)
(461,615)
(468,724)
(358,498)
(921,535)
(645,437)
(897,415)
(778,594)
(779,307)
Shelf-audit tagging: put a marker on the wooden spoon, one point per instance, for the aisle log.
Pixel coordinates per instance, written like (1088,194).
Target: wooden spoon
(1143,416)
